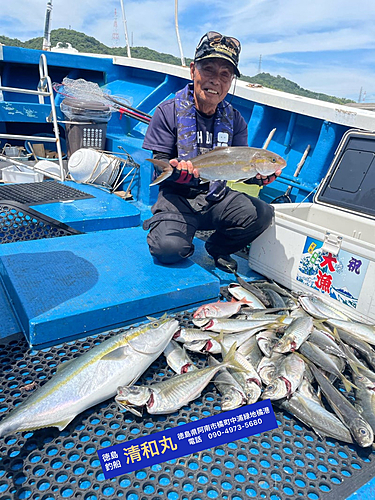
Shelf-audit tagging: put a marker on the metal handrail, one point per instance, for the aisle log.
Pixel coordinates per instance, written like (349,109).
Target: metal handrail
(45,89)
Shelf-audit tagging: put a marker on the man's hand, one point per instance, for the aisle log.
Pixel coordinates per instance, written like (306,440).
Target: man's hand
(184,171)
(267,179)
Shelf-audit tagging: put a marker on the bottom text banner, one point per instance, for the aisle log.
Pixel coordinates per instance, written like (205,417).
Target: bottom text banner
(187,438)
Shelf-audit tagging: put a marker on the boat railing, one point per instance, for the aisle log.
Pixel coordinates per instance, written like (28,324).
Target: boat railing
(45,90)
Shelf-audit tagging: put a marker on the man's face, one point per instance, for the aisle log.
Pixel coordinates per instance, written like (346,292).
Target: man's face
(212,80)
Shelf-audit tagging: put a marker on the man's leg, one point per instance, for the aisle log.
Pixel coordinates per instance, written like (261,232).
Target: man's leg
(172,229)
(238,220)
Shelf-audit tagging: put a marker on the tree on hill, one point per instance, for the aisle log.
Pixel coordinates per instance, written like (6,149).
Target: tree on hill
(85,43)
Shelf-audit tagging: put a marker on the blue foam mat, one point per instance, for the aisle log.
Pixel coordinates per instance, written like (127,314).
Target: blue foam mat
(65,288)
(105,211)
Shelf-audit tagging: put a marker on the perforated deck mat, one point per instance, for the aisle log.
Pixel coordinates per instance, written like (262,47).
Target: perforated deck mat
(37,193)
(286,463)
(21,223)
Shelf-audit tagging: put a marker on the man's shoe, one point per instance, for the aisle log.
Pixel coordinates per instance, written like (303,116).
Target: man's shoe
(223,262)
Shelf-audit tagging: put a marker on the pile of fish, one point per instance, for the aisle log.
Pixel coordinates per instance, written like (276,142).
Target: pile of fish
(289,349)
(262,343)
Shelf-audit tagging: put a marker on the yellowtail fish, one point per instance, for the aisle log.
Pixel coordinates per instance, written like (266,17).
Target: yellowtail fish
(91,378)
(228,163)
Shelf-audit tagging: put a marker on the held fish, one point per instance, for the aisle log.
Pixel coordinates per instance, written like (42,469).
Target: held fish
(91,378)
(228,163)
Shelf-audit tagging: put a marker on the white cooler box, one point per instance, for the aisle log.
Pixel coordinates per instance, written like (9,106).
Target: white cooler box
(328,247)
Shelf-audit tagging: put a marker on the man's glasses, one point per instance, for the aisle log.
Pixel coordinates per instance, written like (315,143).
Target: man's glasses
(216,38)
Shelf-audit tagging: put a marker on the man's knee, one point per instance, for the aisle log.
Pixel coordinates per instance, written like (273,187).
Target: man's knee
(169,249)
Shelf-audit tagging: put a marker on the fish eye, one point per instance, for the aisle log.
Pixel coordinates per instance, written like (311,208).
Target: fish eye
(273,160)
(155,324)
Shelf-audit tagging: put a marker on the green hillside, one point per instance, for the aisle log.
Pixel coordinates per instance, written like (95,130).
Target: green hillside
(84,43)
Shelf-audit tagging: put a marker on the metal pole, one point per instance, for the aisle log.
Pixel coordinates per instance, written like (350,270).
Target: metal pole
(177,32)
(125,28)
(47,27)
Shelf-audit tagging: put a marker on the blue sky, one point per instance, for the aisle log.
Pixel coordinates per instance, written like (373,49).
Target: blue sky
(323,45)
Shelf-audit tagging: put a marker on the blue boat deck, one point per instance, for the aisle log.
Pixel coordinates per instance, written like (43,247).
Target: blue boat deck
(72,286)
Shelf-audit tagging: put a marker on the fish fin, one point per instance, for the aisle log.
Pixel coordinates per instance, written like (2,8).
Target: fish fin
(63,423)
(164,165)
(347,384)
(115,355)
(162,177)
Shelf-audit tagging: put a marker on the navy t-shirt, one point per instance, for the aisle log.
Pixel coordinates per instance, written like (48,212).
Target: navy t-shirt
(161,134)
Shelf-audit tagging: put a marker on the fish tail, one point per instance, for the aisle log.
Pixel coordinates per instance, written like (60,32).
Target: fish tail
(230,359)
(347,384)
(166,170)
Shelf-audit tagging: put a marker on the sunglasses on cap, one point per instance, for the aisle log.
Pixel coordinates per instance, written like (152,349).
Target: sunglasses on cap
(215,38)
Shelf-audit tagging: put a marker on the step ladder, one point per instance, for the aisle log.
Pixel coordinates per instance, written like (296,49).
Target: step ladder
(45,90)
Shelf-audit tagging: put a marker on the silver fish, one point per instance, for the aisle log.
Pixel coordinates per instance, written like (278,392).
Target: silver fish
(232,325)
(358,426)
(169,395)
(178,359)
(319,309)
(359,330)
(228,163)
(314,415)
(323,360)
(251,351)
(187,335)
(240,293)
(326,342)
(365,398)
(246,376)
(267,341)
(267,368)
(360,345)
(232,394)
(296,333)
(289,376)
(91,378)
(214,346)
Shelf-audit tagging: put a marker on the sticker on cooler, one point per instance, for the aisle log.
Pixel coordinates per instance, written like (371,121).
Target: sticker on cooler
(340,276)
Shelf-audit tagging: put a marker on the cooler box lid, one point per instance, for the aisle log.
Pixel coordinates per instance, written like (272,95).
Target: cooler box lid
(350,182)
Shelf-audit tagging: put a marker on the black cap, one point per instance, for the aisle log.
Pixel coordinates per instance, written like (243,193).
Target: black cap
(213,44)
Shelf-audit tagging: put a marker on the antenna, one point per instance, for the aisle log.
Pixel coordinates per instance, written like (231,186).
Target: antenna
(115,37)
(360,95)
(177,32)
(47,27)
(125,28)
(260,64)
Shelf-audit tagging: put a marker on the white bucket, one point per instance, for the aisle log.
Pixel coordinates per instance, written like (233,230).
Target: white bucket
(89,166)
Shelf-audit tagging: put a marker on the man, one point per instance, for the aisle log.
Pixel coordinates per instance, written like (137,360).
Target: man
(194,122)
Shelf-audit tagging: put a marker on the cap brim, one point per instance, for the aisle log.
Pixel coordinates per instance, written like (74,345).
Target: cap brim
(220,56)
